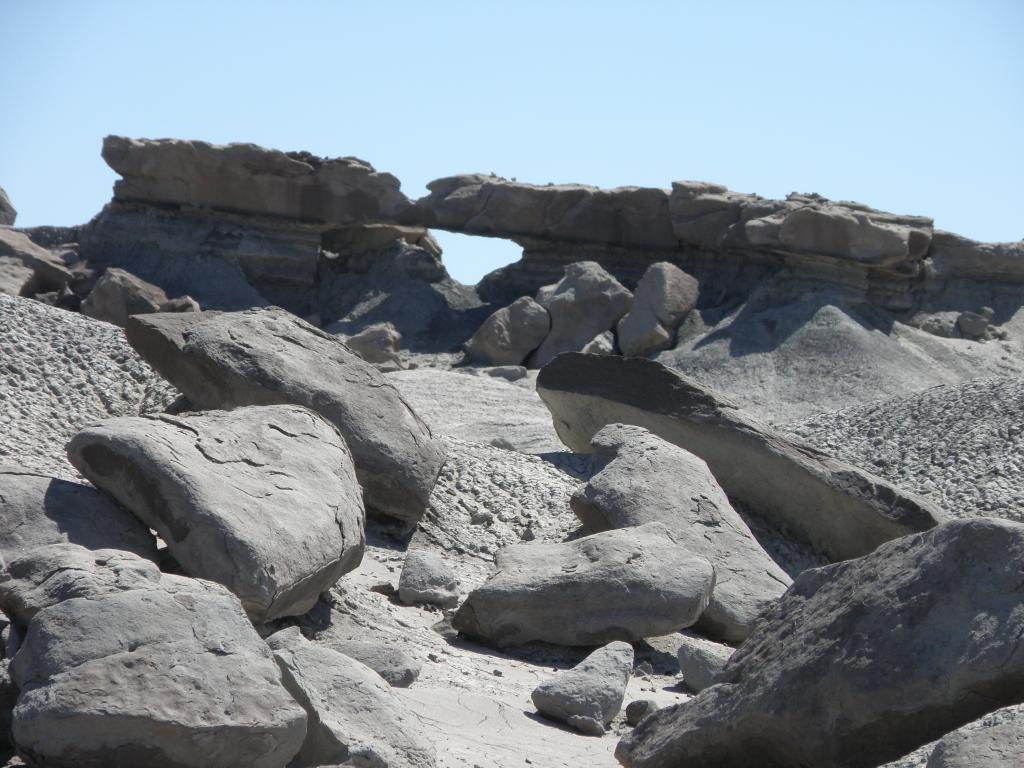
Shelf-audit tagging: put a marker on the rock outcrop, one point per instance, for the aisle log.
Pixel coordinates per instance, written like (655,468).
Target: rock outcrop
(262,357)
(7,212)
(839,509)
(263,500)
(862,661)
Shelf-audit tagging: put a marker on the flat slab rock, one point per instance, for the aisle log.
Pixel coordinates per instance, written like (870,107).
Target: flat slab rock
(839,509)
(630,488)
(617,585)
(263,499)
(269,356)
(862,661)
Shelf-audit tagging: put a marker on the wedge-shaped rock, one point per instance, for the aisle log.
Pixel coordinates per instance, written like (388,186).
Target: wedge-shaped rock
(588,696)
(618,585)
(641,478)
(262,357)
(510,334)
(701,660)
(994,741)
(118,294)
(862,661)
(36,509)
(839,509)
(354,717)
(263,500)
(663,298)
(48,268)
(168,675)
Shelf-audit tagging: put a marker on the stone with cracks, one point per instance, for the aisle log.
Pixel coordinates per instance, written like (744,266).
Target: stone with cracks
(629,488)
(617,585)
(701,660)
(118,294)
(354,717)
(842,511)
(427,578)
(663,298)
(862,661)
(588,696)
(509,335)
(263,499)
(261,357)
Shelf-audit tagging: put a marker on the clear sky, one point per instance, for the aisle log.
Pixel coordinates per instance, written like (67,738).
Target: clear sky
(914,106)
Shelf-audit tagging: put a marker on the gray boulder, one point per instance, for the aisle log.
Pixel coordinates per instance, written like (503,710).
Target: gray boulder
(354,717)
(7,212)
(261,357)
(166,675)
(663,298)
(427,578)
(263,500)
(378,344)
(994,741)
(588,696)
(36,509)
(842,511)
(701,660)
(393,664)
(862,661)
(15,277)
(118,294)
(630,487)
(586,302)
(49,270)
(638,709)
(602,344)
(618,585)
(509,335)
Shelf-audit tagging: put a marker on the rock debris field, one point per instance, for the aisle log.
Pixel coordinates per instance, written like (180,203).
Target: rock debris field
(703,479)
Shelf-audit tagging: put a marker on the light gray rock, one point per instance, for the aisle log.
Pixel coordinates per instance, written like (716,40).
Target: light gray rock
(166,675)
(36,509)
(7,212)
(377,343)
(15,277)
(663,298)
(48,268)
(181,304)
(994,741)
(509,335)
(862,661)
(586,302)
(638,709)
(262,357)
(588,696)
(701,660)
(118,294)
(262,499)
(630,488)
(354,717)
(602,344)
(617,585)
(427,578)
(393,664)
(842,511)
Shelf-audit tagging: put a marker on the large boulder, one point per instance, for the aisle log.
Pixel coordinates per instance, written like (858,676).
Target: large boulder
(49,270)
(118,294)
(15,277)
(618,585)
(663,298)
(641,478)
(509,335)
(168,674)
(586,302)
(7,212)
(588,696)
(263,499)
(862,661)
(36,509)
(842,511)
(261,357)
(354,717)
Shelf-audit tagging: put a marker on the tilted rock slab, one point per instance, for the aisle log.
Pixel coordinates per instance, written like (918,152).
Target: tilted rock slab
(588,696)
(48,267)
(36,509)
(118,294)
(618,585)
(995,741)
(641,478)
(354,716)
(263,357)
(663,298)
(510,334)
(701,660)
(7,212)
(263,499)
(862,661)
(166,675)
(839,509)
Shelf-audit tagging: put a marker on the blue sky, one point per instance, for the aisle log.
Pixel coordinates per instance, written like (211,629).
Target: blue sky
(913,107)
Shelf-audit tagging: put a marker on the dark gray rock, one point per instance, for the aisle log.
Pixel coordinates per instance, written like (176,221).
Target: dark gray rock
(638,709)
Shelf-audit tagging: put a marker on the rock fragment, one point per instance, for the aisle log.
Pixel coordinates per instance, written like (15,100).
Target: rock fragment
(663,298)
(509,335)
(427,578)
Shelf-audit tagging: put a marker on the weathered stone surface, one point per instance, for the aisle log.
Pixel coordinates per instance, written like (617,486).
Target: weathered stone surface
(15,277)
(354,717)
(509,335)
(839,509)
(377,343)
(262,357)
(245,178)
(701,660)
(994,741)
(118,294)
(862,661)
(663,298)
(263,500)
(427,578)
(393,664)
(7,212)
(638,709)
(586,302)
(48,268)
(167,675)
(36,509)
(630,487)
(602,344)
(588,696)
(616,585)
